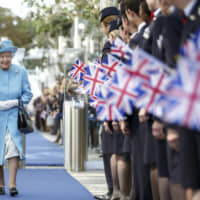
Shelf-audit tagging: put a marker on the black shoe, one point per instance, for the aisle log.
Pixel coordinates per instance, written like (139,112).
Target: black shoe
(2,191)
(108,195)
(13,191)
(101,197)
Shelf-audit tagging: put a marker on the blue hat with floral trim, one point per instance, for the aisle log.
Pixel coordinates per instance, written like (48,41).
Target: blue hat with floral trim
(7,46)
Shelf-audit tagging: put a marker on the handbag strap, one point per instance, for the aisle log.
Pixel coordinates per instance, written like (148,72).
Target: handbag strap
(20,105)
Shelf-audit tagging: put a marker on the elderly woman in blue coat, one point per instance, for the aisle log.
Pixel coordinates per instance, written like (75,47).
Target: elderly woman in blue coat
(14,85)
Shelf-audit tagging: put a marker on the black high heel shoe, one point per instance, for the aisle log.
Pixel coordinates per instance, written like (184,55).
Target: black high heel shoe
(2,191)
(13,191)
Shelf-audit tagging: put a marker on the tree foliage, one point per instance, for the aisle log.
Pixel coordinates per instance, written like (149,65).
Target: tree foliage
(50,22)
(88,11)
(20,31)
(56,19)
(53,20)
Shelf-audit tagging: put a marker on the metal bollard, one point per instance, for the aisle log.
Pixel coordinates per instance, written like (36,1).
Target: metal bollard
(67,121)
(75,134)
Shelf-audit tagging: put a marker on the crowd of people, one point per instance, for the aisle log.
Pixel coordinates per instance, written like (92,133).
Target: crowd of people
(48,107)
(145,158)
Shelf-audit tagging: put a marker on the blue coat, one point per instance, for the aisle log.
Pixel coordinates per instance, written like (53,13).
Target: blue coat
(14,84)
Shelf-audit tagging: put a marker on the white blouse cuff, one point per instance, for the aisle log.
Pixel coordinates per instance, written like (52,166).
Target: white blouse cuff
(6,105)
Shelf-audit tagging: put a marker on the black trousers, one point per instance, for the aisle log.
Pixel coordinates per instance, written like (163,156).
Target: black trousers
(56,125)
(174,165)
(107,169)
(141,171)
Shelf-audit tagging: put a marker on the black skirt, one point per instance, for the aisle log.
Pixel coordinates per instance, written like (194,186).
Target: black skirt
(107,142)
(127,144)
(174,165)
(190,158)
(161,157)
(118,141)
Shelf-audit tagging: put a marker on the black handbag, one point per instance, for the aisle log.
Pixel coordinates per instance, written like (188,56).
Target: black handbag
(25,124)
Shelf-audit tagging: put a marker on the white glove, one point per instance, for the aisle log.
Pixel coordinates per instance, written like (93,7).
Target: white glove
(6,105)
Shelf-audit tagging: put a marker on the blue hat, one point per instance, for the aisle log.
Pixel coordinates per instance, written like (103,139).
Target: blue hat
(113,26)
(108,12)
(7,46)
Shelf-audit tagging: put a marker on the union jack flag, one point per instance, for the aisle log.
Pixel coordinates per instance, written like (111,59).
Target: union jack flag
(145,66)
(123,91)
(153,79)
(97,61)
(191,48)
(154,93)
(121,50)
(185,95)
(110,65)
(108,112)
(77,71)
(93,79)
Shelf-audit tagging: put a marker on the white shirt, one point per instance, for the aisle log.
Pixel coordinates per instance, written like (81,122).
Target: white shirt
(189,7)
(133,35)
(141,26)
(139,29)
(157,12)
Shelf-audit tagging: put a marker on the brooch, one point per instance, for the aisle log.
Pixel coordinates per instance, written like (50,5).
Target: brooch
(16,71)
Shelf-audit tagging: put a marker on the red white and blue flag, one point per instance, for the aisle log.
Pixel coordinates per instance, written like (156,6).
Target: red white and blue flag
(121,50)
(144,66)
(185,95)
(77,71)
(94,78)
(97,61)
(191,48)
(110,65)
(123,91)
(108,112)
(154,93)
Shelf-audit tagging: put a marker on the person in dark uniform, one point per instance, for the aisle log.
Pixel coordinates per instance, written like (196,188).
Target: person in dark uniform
(154,37)
(129,28)
(120,170)
(145,126)
(189,141)
(106,16)
(141,173)
(165,51)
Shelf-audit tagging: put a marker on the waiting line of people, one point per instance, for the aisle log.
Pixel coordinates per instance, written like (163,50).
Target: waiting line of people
(144,158)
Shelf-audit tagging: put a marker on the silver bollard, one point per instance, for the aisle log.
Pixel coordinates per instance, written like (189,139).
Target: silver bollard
(75,134)
(67,121)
